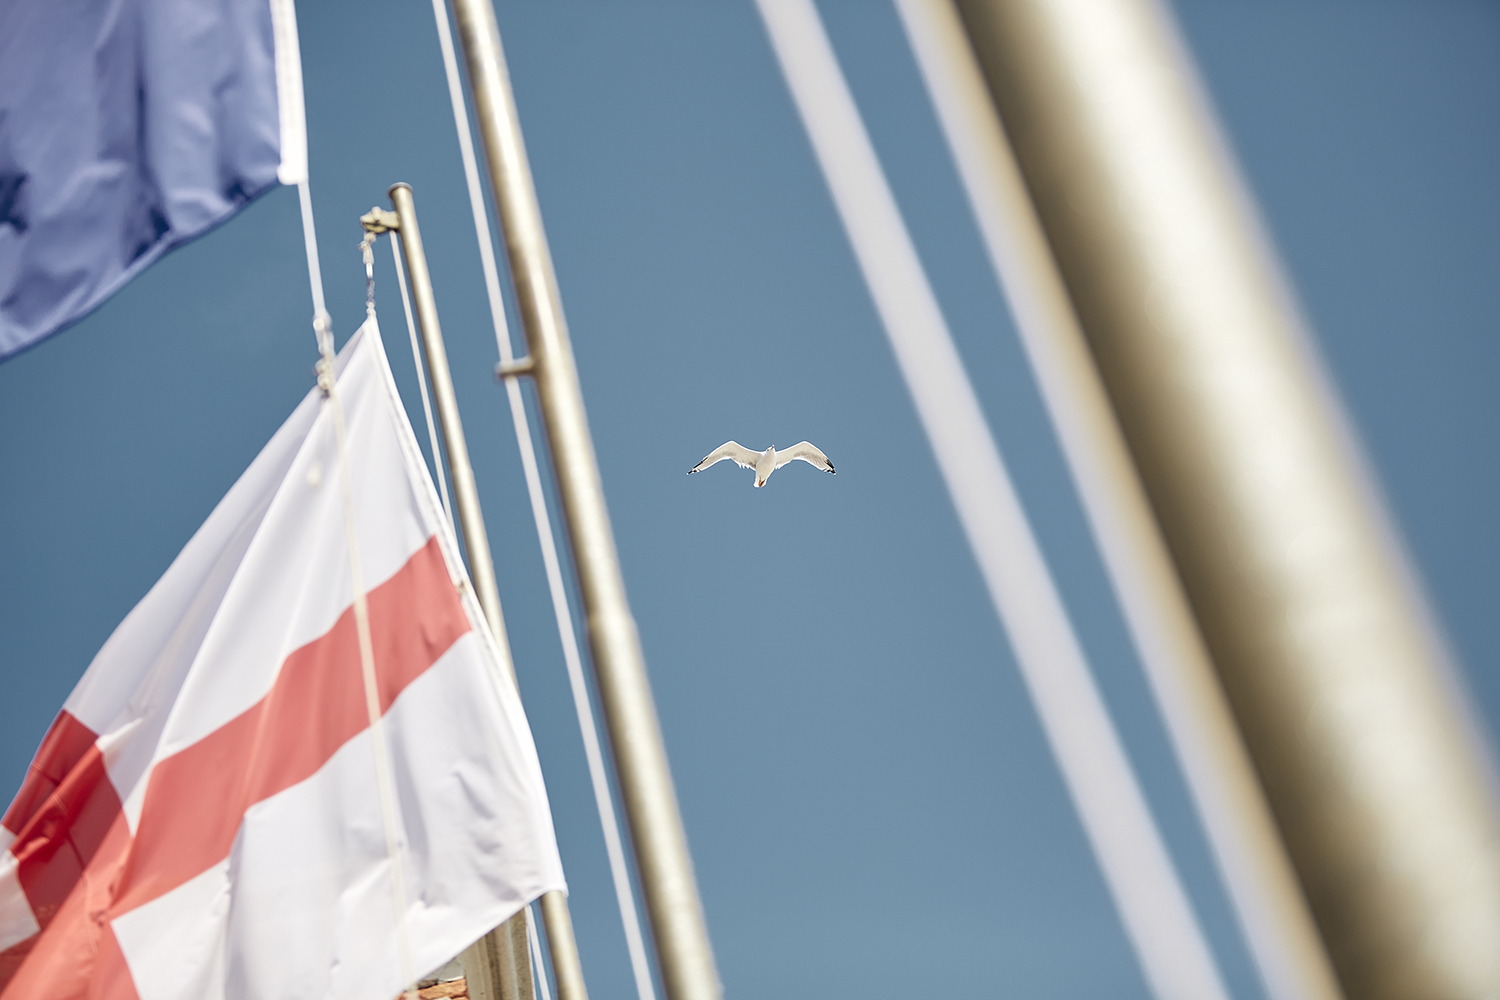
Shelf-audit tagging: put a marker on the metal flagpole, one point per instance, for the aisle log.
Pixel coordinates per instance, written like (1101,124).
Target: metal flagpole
(498,966)
(1374,771)
(1273,913)
(667,881)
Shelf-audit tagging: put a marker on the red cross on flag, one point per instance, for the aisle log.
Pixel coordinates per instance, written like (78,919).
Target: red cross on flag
(205,818)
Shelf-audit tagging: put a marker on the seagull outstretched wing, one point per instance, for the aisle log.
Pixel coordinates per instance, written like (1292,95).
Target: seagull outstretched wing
(804,451)
(732,450)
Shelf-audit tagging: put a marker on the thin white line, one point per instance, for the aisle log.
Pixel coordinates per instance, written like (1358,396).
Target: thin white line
(389,815)
(536,953)
(416,358)
(613,843)
(471,177)
(291,111)
(1176,663)
(328,381)
(1157,916)
(322,322)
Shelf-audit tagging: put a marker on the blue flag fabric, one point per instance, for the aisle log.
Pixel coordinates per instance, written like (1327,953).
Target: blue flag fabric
(128,127)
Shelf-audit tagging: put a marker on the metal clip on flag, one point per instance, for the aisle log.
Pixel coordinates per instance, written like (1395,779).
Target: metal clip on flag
(203,819)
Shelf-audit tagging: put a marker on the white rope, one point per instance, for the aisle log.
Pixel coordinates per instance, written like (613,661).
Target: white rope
(536,952)
(613,843)
(1155,910)
(416,359)
(322,322)
(323,328)
(388,809)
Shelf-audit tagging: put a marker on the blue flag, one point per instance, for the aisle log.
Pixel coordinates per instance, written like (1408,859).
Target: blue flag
(128,127)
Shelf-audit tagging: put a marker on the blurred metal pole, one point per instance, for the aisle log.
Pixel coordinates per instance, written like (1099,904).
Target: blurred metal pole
(567,967)
(1273,914)
(500,961)
(666,870)
(1373,767)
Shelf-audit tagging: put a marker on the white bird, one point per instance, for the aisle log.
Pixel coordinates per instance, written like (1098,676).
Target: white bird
(764,462)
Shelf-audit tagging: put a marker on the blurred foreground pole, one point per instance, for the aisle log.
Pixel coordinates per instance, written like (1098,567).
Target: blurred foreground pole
(498,965)
(1275,919)
(1372,765)
(666,870)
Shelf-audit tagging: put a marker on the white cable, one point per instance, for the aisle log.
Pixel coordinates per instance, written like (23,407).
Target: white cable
(416,358)
(323,329)
(1176,663)
(1158,918)
(613,843)
(385,783)
(322,322)
(327,381)
(536,952)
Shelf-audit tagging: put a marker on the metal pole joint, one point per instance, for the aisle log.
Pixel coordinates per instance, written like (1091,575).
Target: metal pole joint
(498,966)
(515,369)
(379,220)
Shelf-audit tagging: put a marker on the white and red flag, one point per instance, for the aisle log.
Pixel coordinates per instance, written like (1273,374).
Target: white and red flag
(204,820)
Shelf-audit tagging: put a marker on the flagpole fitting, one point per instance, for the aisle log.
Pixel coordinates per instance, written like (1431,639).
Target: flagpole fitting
(515,369)
(323,329)
(379,220)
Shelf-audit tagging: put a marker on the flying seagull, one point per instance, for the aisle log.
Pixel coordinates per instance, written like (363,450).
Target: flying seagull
(764,462)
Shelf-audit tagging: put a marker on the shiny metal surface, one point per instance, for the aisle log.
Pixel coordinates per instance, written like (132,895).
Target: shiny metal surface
(1371,764)
(504,967)
(567,967)
(670,888)
(1252,860)
(460,472)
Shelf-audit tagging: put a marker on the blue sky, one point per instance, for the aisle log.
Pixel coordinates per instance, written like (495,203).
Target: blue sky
(871,806)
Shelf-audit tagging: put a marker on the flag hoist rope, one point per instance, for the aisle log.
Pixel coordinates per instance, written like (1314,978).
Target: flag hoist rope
(536,952)
(327,382)
(294,170)
(416,360)
(598,774)
(1152,904)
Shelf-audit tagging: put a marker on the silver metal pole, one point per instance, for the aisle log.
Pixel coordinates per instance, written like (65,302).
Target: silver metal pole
(670,888)
(501,958)
(1273,913)
(460,472)
(1373,768)
(567,967)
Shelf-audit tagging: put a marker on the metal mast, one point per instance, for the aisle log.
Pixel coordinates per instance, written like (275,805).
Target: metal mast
(1272,911)
(498,966)
(1371,765)
(670,888)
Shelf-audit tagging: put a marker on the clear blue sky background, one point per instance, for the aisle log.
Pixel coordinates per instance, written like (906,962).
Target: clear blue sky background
(871,807)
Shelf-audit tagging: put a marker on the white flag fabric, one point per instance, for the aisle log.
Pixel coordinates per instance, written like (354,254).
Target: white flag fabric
(203,820)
